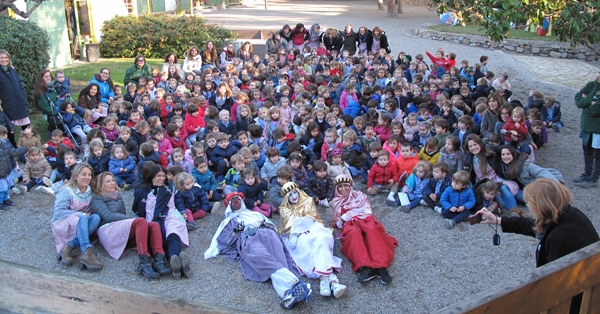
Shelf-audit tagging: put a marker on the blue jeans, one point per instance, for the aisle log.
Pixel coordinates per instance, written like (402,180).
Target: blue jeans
(353,171)
(416,202)
(505,199)
(85,227)
(193,137)
(3,195)
(364,174)
(456,216)
(519,197)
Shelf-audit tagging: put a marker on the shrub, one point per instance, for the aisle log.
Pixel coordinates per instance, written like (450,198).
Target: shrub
(156,35)
(28,46)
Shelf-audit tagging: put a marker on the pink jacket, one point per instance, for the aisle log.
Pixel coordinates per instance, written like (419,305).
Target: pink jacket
(344,100)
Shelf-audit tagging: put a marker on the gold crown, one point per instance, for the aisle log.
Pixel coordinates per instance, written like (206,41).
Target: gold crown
(342,178)
(288,187)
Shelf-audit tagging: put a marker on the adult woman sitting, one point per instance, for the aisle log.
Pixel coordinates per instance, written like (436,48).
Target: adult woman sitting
(118,231)
(490,116)
(245,52)
(139,69)
(45,97)
(154,201)
(210,57)
(275,43)
(251,238)
(332,40)
(520,168)
(307,239)
(73,221)
(171,59)
(89,98)
(12,95)
(557,224)
(299,37)
(106,87)
(365,243)
(378,40)
(192,61)
(482,163)
(227,56)
(314,36)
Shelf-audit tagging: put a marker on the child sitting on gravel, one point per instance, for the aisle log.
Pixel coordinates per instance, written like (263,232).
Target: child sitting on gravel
(36,169)
(458,200)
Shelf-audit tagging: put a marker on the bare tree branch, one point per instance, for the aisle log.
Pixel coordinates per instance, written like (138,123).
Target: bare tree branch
(9,4)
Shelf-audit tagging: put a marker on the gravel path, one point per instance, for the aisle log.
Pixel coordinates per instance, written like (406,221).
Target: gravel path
(434,267)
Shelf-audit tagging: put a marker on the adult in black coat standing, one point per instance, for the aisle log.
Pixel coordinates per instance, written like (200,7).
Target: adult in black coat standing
(12,94)
(561,228)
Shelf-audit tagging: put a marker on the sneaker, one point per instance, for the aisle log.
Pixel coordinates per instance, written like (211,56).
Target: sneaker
(47,182)
(587,184)
(191,226)
(47,190)
(555,128)
(324,202)
(423,203)
(450,223)
(186,270)
(338,290)
(8,203)
(383,274)
(23,189)
(176,266)
(299,292)
(215,207)
(324,288)
(127,187)
(15,191)
(406,208)
(438,209)
(390,202)
(3,207)
(581,178)
(365,274)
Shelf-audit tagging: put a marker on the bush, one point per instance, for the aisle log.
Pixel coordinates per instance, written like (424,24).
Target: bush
(156,35)
(28,46)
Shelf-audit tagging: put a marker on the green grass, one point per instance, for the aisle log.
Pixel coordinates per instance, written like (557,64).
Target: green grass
(473,29)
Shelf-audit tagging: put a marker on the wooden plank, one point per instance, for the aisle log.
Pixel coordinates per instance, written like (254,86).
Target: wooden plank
(26,289)
(562,308)
(542,289)
(585,301)
(594,305)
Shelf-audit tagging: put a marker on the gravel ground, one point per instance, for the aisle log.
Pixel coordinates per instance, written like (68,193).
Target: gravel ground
(434,267)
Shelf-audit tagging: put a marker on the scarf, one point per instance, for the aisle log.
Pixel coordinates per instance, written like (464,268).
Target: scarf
(354,200)
(362,38)
(377,37)
(50,87)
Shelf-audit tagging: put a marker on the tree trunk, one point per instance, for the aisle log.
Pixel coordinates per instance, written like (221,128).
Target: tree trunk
(400,9)
(391,9)
(380,5)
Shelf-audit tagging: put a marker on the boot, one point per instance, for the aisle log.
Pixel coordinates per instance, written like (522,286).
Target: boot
(175,262)
(65,256)
(159,265)
(88,260)
(186,270)
(145,267)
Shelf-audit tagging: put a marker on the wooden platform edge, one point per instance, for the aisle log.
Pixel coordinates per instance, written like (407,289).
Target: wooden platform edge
(26,289)
(542,289)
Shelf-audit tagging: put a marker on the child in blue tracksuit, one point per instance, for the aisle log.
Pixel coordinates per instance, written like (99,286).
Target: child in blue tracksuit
(122,166)
(190,200)
(458,200)
(437,185)
(416,184)
(205,179)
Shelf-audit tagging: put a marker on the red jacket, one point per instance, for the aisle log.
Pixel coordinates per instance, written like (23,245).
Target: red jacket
(52,151)
(406,164)
(179,142)
(191,122)
(382,175)
(510,126)
(446,63)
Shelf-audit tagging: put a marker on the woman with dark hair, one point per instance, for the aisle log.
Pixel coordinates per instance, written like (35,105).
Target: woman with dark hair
(171,59)
(314,36)
(227,56)
(245,52)
(193,61)
(154,201)
(378,40)
(118,231)
(73,221)
(484,164)
(139,69)
(299,37)
(210,57)
(287,34)
(490,116)
(89,98)
(560,227)
(45,96)
(350,38)
(275,43)
(12,95)
(222,99)
(105,85)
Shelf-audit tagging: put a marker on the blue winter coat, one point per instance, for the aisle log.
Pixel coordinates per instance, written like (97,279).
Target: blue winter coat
(7,157)
(194,200)
(431,185)
(73,119)
(105,91)
(115,165)
(451,198)
(99,164)
(206,180)
(252,193)
(353,109)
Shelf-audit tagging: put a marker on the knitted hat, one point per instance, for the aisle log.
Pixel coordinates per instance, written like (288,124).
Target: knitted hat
(334,152)
(231,195)
(343,178)
(288,187)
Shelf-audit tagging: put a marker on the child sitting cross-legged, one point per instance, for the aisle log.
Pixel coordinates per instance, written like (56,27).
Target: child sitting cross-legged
(437,184)
(205,179)
(383,175)
(190,200)
(252,188)
(37,168)
(416,184)
(233,177)
(458,200)
(122,166)
(320,184)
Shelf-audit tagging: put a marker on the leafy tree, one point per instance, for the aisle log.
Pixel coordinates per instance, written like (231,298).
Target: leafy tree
(576,21)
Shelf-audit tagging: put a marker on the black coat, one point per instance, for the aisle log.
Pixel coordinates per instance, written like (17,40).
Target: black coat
(335,43)
(572,232)
(13,95)
(382,41)
(350,41)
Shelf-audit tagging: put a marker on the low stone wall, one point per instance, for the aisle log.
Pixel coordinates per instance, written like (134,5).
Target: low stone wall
(552,49)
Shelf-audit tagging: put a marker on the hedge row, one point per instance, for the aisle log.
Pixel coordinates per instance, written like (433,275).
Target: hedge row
(156,35)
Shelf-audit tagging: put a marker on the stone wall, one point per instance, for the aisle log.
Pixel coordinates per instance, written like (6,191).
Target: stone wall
(529,47)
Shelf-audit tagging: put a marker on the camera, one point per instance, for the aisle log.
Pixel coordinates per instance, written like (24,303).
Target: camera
(475,218)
